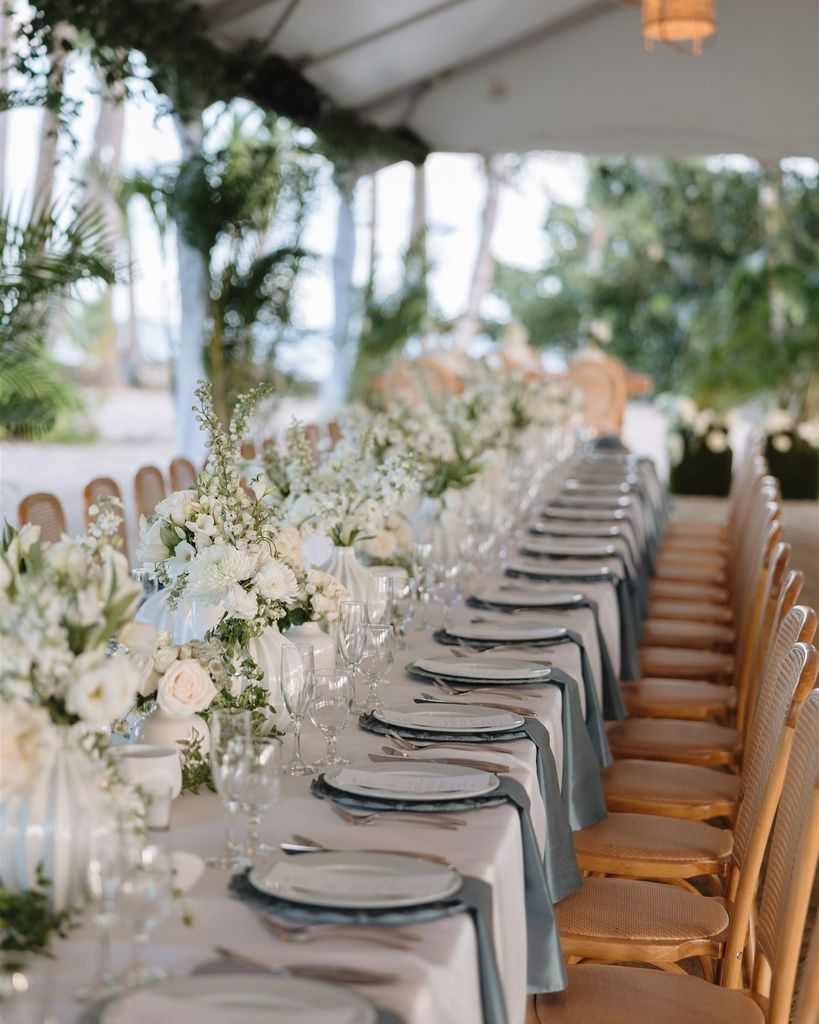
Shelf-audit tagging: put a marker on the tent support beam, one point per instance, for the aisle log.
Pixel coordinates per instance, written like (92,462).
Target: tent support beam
(550,30)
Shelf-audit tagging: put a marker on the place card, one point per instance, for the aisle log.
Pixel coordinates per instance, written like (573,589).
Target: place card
(411,782)
(354,880)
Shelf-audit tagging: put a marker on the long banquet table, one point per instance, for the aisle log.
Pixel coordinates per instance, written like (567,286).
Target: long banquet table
(439,980)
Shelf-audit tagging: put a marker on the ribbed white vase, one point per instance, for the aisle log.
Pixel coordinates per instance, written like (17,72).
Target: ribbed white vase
(190,620)
(324,648)
(350,573)
(56,826)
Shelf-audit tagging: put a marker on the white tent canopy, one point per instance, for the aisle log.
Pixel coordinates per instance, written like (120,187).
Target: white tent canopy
(516,75)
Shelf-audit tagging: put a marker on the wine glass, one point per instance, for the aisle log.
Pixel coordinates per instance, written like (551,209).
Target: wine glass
(230,734)
(379,598)
(376,661)
(103,878)
(351,616)
(298,672)
(258,783)
(143,898)
(422,571)
(405,596)
(330,710)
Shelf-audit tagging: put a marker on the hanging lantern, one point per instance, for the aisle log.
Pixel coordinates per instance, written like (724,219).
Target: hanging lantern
(682,24)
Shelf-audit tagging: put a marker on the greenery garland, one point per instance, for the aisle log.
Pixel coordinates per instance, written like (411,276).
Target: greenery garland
(188,68)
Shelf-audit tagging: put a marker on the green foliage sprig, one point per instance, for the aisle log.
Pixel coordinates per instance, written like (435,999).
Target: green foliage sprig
(196,771)
(28,925)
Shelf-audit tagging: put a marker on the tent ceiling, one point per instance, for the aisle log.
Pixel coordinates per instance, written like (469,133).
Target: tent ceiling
(496,75)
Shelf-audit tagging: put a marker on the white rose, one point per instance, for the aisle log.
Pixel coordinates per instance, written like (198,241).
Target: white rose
(176,507)
(139,637)
(151,548)
(382,546)
(716,441)
(186,688)
(782,443)
(27,740)
(165,657)
(102,689)
(241,603)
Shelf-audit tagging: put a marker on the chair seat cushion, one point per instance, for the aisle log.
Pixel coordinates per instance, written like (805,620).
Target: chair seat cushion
(604,994)
(626,909)
(685,663)
(701,611)
(686,633)
(663,787)
(681,590)
(689,571)
(666,842)
(669,739)
(677,698)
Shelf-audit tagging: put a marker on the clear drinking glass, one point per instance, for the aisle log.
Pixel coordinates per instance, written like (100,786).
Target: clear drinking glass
(142,900)
(103,878)
(258,782)
(297,676)
(230,736)
(405,597)
(330,710)
(379,598)
(352,615)
(376,661)
(147,579)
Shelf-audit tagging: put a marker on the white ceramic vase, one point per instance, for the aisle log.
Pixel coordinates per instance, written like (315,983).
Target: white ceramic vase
(162,729)
(349,572)
(190,620)
(56,826)
(324,648)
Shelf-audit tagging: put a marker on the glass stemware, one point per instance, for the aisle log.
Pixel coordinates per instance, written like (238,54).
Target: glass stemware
(330,710)
(297,675)
(376,661)
(230,734)
(405,597)
(142,900)
(352,615)
(379,598)
(258,783)
(103,878)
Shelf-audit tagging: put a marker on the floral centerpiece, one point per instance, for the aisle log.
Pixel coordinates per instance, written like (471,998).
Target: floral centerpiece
(792,451)
(60,688)
(699,448)
(220,551)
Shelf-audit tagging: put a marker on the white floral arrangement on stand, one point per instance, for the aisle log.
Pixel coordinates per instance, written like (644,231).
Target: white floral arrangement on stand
(220,543)
(691,428)
(784,431)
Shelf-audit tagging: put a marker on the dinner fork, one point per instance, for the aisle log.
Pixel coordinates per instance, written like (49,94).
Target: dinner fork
(455,691)
(304,844)
(447,821)
(324,972)
(472,652)
(513,709)
(315,933)
(406,744)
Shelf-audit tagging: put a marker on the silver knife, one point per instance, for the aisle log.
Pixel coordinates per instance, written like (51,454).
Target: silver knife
(462,762)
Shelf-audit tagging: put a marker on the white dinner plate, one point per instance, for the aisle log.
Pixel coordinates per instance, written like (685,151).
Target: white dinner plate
(412,781)
(447,717)
(567,548)
(514,597)
(511,632)
(230,997)
(356,879)
(534,568)
(491,669)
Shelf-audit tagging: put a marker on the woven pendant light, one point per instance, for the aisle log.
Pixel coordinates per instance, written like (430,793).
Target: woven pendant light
(682,24)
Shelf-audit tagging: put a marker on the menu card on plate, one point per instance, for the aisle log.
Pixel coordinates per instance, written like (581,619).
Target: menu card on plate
(147,1007)
(457,722)
(355,880)
(412,782)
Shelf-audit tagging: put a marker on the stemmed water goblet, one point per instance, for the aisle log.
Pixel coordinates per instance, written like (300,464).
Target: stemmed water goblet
(376,661)
(143,898)
(230,736)
(258,783)
(352,615)
(405,596)
(379,598)
(298,677)
(330,710)
(103,878)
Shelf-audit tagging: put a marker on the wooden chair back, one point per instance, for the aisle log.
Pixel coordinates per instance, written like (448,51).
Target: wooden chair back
(149,490)
(45,510)
(807,1002)
(313,435)
(247,450)
(182,473)
(104,487)
(787,686)
(334,432)
(603,388)
(790,872)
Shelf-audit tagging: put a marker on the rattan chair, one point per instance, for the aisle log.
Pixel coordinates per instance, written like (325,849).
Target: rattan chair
(182,473)
(334,432)
(313,435)
(606,994)
(43,509)
(636,920)
(691,791)
(149,490)
(104,487)
(248,450)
